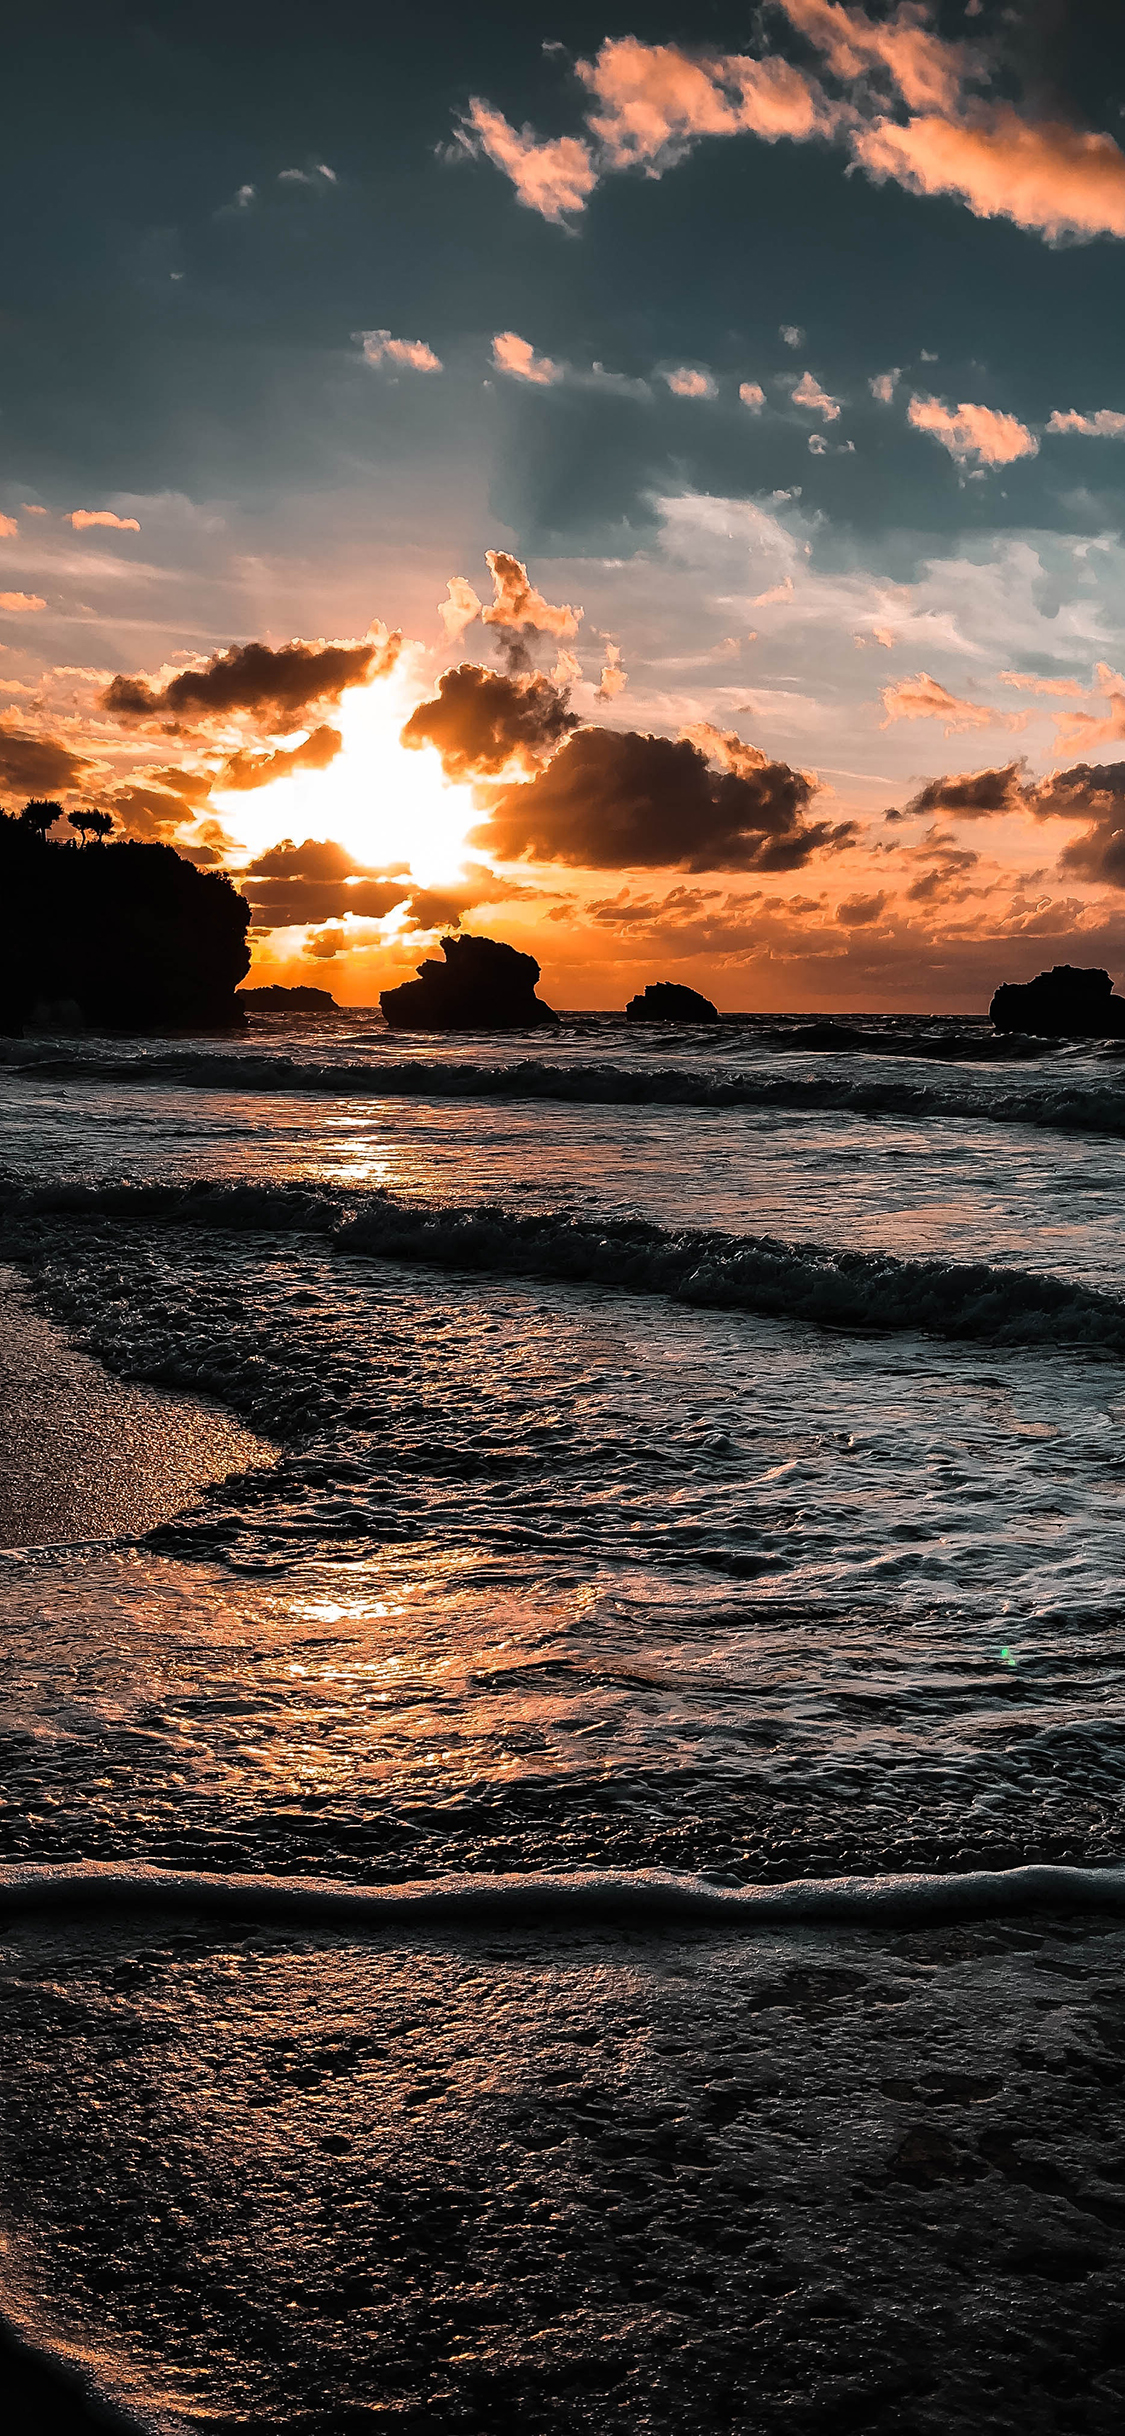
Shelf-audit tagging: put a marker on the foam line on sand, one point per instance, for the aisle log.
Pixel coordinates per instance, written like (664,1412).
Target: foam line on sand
(629,1898)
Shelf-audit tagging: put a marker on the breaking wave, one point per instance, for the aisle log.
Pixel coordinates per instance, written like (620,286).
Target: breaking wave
(1055,1103)
(652,1897)
(694,1265)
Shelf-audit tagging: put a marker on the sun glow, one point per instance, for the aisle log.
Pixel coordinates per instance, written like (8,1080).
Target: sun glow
(386,805)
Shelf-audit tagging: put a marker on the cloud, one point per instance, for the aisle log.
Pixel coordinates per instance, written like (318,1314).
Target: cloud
(921,697)
(974,795)
(1085,727)
(460,608)
(927,71)
(244,771)
(552,178)
(884,384)
(150,812)
(482,722)
(244,197)
(275,684)
(1106,424)
(792,334)
(319,174)
(809,394)
(409,354)
(517,357)
(856,912)
(613,799)
(614,678)
(973,431)
(1054,179)
(8,527)
(1044,685)
(686,383)
(37,765)
(518,604)
(1094,792)
(752,394)
(82,518)
(650,102)
(22,602)
(287,903)
(30,510)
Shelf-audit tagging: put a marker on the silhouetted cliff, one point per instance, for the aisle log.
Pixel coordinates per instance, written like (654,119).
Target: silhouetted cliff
(484,985)
(1070,1002)
(131,936)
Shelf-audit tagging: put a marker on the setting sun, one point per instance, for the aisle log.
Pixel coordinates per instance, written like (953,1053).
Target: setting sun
(388,806)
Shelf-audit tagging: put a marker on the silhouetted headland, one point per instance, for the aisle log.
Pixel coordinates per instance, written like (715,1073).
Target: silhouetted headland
(1071,1001)
(484,985)
(274,999)
(671,1002)
(123,937)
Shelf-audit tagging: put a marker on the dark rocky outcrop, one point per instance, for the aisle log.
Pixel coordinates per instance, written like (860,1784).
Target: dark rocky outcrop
(273,999)
(671,1002)
(484,985)
(1070,1002)
(124,938)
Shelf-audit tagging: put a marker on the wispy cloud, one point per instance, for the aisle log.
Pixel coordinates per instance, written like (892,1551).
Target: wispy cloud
(316,174)
(883,386)
(921,697)
(1105,424)
(17,601)
(809,394)
(552,178)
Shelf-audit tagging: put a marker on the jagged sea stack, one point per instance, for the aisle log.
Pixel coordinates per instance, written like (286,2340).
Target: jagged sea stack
(483,986)
(671,1002)
(1072,1002)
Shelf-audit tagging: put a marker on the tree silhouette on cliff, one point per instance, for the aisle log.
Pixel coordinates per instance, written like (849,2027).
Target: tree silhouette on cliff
(134,936)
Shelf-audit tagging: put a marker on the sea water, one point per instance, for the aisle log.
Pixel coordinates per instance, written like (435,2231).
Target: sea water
(690,1450)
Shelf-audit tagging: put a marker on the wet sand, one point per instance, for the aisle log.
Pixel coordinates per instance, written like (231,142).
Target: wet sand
(801,2181)
(86,1456)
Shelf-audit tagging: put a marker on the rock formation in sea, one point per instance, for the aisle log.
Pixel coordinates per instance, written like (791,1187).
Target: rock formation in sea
(484,985)
(671,1002)
(122,937)
(273,999)
(1071,1001)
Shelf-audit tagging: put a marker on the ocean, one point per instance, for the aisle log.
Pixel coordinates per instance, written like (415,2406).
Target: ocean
(683,1451)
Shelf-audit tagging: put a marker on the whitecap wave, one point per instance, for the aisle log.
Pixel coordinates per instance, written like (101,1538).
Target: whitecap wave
(760,1274)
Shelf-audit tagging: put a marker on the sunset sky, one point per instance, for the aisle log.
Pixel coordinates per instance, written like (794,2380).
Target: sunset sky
(700,433)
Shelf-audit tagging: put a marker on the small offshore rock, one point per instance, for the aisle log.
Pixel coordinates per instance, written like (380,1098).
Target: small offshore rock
(484,985)
(1071,1001)
(671,1002)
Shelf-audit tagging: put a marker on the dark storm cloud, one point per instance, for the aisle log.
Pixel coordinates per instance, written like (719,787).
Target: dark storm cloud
(149,812)
(37,765)
(616,800)
(1097,794)
(481,720)
(276,685)
(246,770)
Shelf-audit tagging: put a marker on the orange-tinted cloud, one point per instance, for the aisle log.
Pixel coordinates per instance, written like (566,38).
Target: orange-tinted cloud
(1058,180)
(482,722)
(651,101)
(1042,685)
(752,394)
(973,431)
(689,383)
(81,518)
(921,697)
(277,685)
(409,354)
(612,799)
(1105,424)
(552,178)
(517,357)
(37,765)
(460,608)
(244,771)
(856,912)
(21,602)
(517,603)
(614,677)
(927,71)
(8,527)
(808,393)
